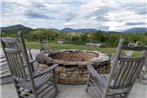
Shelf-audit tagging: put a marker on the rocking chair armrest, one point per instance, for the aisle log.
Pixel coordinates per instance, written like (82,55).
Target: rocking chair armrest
(51,68)
(94,73)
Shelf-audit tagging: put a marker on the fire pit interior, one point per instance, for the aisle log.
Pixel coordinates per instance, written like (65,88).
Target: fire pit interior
(73,56)
(72,64)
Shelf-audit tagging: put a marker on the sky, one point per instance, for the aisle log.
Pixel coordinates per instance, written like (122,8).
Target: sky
(108,15)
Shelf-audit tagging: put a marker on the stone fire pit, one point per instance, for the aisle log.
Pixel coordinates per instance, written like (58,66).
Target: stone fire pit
(72,64)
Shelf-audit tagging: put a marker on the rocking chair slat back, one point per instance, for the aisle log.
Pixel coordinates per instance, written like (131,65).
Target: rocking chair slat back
(125,71)
(14,54)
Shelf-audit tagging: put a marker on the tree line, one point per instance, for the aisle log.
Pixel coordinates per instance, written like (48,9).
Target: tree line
(107,38)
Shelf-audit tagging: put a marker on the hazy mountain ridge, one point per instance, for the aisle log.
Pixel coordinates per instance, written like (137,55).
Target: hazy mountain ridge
(16,28)
(84,30)
(136,30)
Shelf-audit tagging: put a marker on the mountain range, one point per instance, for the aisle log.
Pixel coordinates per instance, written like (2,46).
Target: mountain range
(16,28)
(78,30)
(137,30)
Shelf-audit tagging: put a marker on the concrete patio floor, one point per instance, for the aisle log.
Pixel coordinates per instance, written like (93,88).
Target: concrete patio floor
(73,91)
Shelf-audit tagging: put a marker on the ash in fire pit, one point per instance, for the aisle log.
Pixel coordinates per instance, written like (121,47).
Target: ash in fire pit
(72,64)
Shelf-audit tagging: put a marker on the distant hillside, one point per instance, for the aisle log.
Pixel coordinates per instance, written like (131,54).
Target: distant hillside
(136,30)
(15,29)
(78,30)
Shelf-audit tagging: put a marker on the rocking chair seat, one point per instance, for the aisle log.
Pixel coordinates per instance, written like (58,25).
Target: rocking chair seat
(39,81)
(111,91)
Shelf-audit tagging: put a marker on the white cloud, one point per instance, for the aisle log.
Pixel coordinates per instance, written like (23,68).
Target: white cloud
(102,14)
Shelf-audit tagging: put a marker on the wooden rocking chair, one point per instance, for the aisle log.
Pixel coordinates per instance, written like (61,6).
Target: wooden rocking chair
(28,83)
(44,48)
(122,76)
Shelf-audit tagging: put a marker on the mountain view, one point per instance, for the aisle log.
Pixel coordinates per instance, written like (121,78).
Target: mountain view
(77,36)
(16,28)
(78,30)
(138,30)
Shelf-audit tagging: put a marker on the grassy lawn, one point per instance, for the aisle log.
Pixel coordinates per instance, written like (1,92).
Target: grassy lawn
(56,46)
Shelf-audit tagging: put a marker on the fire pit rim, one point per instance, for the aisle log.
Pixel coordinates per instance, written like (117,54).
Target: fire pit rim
(101,57)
